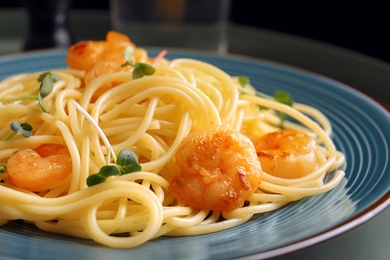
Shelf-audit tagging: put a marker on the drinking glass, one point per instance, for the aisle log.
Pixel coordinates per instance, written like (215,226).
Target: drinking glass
(191,24)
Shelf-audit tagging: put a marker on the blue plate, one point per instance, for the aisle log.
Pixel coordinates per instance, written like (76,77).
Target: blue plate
(360,130)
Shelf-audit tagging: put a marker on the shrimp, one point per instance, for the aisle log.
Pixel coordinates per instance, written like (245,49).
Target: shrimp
(85,54)
(287,153)
(40,169)
(98,58)
(219,169)
(104,68)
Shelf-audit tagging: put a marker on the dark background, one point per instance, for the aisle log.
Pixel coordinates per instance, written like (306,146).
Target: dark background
(360,27)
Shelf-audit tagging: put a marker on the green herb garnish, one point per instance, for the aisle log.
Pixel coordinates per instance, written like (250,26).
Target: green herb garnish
(127,162)
(142,69)
(47,80)
(283,97)
(243,80)
(24,129)
(128,56)
(279,96)
(139,69)
(3,168)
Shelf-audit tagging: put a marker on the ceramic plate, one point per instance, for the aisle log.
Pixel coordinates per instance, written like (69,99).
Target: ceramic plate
(360,131)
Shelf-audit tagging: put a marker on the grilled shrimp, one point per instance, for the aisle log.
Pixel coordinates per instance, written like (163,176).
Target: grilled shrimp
(287,153)
(85,54)
(219,169)
(40,169)
(100,69)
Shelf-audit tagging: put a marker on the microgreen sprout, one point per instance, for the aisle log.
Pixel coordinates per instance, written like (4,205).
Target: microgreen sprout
(3,168)
(47,81)
(128,56)
(139,69)
(25,129)
(284,98)
(142,69)
(243,87)
(97,128)
(279,96)
(243,80)
(127,162)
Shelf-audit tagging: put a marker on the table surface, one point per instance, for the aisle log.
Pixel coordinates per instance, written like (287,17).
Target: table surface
(368,75)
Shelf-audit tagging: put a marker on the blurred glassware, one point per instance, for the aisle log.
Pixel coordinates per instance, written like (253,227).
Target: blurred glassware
(48,24)
(194,24)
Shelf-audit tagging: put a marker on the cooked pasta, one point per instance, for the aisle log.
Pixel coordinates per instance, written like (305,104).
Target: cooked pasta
(149,116)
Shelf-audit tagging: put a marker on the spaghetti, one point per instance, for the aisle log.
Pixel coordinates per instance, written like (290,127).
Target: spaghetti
(150,116)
